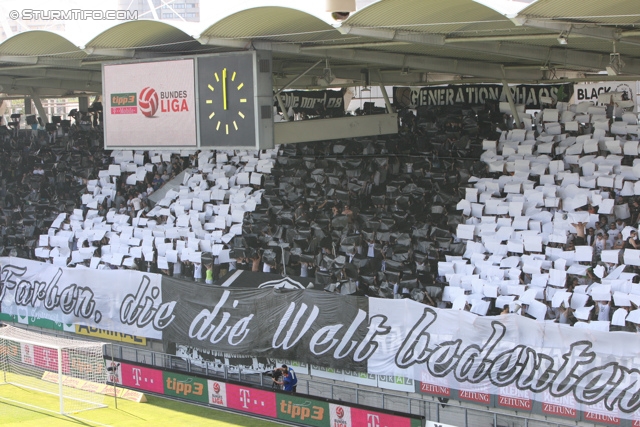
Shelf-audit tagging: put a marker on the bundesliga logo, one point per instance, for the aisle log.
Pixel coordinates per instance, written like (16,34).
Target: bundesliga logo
(148,101)
(168,101)
(214,394)
(339,420)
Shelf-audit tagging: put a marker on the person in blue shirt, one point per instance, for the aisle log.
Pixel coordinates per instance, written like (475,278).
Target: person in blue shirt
(157,182)
(289,380)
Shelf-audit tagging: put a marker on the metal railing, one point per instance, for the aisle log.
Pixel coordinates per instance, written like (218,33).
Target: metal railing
(433,410)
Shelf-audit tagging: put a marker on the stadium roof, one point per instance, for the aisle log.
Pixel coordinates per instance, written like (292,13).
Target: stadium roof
(393,42)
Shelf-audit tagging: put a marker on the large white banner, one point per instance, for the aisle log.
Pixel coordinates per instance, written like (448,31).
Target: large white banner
(590,91)
(150,104)
(116,300)
(509,356)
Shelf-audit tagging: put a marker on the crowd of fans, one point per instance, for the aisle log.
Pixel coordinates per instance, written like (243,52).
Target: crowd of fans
(549,230)
(459,210)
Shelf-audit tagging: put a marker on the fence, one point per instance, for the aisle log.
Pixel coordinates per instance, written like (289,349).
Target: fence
(432,410)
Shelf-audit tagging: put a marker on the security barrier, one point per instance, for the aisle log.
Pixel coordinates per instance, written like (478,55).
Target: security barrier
(293,408)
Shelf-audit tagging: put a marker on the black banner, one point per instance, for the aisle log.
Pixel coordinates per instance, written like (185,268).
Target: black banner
(313,102)
(248,279)
(284,324)
(529,95)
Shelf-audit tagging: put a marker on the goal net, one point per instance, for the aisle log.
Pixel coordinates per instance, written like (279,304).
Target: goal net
(66,376)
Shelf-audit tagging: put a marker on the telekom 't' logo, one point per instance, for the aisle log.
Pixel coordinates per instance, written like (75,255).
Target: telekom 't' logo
(47,358)
(136,375)
(373,420)
(245,398)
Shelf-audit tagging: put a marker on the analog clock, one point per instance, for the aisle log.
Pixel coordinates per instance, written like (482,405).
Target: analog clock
(229,117)
(226,100)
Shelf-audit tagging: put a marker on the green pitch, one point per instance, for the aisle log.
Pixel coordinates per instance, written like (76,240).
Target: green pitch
(156,412)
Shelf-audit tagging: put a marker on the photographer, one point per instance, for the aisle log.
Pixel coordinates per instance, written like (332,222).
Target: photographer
(289,381)
(276,377)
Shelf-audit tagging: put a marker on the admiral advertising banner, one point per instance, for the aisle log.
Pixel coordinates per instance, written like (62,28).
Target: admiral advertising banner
(508,361)
(529,95)
(149,104)
(109,335)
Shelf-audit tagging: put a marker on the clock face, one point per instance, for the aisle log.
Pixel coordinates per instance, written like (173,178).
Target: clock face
(231,87)
(226,98)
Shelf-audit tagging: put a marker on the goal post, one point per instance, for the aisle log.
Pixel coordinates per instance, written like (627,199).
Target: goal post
(70,374)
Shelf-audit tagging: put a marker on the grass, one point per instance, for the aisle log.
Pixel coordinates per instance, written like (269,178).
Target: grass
(156,412)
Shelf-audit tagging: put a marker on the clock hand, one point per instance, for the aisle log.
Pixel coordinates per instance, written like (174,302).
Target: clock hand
(224,88)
